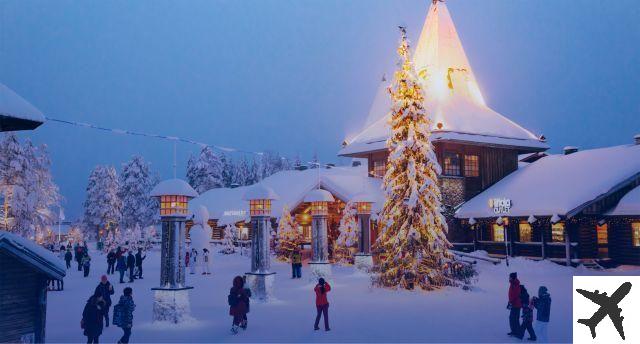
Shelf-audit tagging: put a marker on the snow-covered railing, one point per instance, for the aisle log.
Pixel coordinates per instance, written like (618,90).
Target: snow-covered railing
(469,255)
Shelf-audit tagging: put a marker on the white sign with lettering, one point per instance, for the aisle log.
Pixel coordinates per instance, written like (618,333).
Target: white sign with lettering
(234,213)
(500,205)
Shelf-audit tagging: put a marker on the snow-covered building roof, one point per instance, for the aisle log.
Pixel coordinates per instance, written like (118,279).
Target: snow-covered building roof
(32,254)
(559,184)
(16,113)
(227,204)
(453,97)
(319,195)
(260,191)
(173,187)
(629,205)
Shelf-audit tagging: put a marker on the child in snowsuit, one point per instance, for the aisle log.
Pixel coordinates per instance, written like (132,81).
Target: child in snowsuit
(527,315)
(322,304)
(542,304)
(238,304)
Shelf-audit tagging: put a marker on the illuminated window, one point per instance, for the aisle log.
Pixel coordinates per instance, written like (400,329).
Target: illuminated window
(363,207)
(635,233)
(451,164)
(471,166)
(319,208)
(525,231)
(259,207)
(379,168)
(173,205)
(602,234)
(498,232)
(557,232)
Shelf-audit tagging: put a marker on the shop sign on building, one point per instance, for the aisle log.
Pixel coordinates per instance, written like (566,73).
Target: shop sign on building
(500,205)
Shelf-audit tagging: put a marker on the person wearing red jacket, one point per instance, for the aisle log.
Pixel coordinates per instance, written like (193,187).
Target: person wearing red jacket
(514,304)
(322,304)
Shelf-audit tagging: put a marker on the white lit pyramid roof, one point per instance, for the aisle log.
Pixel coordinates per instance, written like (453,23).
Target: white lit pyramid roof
(453,97)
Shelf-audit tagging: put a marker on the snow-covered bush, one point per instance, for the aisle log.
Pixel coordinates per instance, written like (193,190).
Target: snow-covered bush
(228,241)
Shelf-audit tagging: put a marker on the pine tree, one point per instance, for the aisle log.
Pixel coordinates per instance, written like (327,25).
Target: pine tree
(102,207)
(348,237)
(288,236)
(47,195)
(412,245)
(206,171)
(230,233)
(242,174)
(135,185)
(227,170)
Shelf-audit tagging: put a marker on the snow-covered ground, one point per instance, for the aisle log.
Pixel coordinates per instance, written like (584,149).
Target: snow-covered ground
(358,313)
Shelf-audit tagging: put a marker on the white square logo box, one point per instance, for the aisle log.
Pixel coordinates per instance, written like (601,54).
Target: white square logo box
(584,308)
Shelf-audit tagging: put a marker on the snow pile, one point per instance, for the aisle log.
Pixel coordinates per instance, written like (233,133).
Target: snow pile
(629,204)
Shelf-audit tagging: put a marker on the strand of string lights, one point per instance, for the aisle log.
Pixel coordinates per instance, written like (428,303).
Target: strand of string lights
(156,136)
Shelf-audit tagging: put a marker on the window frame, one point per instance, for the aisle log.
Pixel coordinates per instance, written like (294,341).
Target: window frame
(494,232)
(557,226)
(471,170)
(527,226)
(635,233)
(449,169)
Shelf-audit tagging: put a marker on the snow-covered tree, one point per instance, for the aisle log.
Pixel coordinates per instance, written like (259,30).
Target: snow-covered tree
(412,246)
(206,171)
(102,206)
(228,170)
(315,162)
(228,241)
(288,236)
(255,171)
(348,237)
(242,172)
(136,182)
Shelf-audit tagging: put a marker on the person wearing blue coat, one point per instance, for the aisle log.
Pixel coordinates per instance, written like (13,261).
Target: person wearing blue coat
(542,304)
(121,265)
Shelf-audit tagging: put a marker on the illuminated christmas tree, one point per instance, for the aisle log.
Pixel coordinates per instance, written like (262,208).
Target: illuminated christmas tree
(412,246)
(348,238)
(288,237)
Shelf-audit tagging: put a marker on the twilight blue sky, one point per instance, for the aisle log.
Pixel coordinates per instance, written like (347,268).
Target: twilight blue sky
(297,76)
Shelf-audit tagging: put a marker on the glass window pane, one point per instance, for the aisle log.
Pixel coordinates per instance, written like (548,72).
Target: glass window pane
(525,232)
(635,233)
(557,232)
(498,232)
(451,164)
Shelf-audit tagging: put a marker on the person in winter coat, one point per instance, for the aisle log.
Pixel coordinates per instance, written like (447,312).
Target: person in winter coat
(187,259)
(131,264)
(206,261)
(86,264)
(139,259)
(121,265)
(125,319)
(542,304)
(238,304)
(105,289)
(194,261)
(68,256)
(92,318)
(527,315)
(514,304)
(78,254)
(296,264)
(111,262)
(322,304)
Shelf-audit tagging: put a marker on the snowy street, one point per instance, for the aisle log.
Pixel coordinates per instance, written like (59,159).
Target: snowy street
(357,312)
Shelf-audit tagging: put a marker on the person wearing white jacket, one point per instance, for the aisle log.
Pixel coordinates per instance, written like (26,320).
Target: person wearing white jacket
(206,262)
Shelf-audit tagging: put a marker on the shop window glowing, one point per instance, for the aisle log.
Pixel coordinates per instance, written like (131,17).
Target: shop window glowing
(319,208)
(557,232)
(602,234)
(525,231)
(498,232)
(170,204)
(635,234)
(258,207)
(451,164)
(363,207)
(471,166)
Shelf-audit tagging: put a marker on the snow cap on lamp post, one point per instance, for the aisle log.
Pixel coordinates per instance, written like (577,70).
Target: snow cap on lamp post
(260,197)
(532,219)
(363,202)
(319,200)
(174,195)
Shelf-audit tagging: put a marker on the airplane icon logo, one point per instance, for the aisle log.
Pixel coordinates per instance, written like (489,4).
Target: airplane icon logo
(608,307)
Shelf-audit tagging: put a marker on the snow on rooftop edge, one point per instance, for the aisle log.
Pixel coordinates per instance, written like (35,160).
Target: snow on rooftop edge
(12,105)
(173,187)
(558,184)
(27,246)
(628,205)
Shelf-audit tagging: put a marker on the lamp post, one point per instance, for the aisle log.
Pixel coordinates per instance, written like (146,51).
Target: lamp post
(171,299)
(260,279)
(363,259)
(319,200)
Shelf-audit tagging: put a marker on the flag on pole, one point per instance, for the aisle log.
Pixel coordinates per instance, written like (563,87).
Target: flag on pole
(60,214)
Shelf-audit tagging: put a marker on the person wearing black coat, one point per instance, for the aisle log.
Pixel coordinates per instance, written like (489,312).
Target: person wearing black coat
(131,264)
(121,264)
(105,289)
(67,258)
(92,317)
(111,262)
(139,259)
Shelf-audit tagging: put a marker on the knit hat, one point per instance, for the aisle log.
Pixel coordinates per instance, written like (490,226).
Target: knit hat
(513,275)
(103,278)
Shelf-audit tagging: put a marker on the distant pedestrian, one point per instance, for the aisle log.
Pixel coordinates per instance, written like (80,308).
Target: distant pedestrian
(187,259)
(238,300)
(194,261)
(92,318)
(542,304)
(86,264)
(77,255)
(111,262)
(296,264)
(121,265)
(67,258)
(322,304)
(123,314)
(514,304)
(106,290)
(206,262)
(131,264)
(139,259)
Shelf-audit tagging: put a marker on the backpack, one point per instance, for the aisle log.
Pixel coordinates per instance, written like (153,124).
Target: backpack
(117,315)
(232,300)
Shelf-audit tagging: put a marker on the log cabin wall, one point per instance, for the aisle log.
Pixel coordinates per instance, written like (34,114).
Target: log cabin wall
(22,301)
(621,248)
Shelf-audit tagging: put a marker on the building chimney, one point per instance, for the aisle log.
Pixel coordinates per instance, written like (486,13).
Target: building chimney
(636,139)
(569,150)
